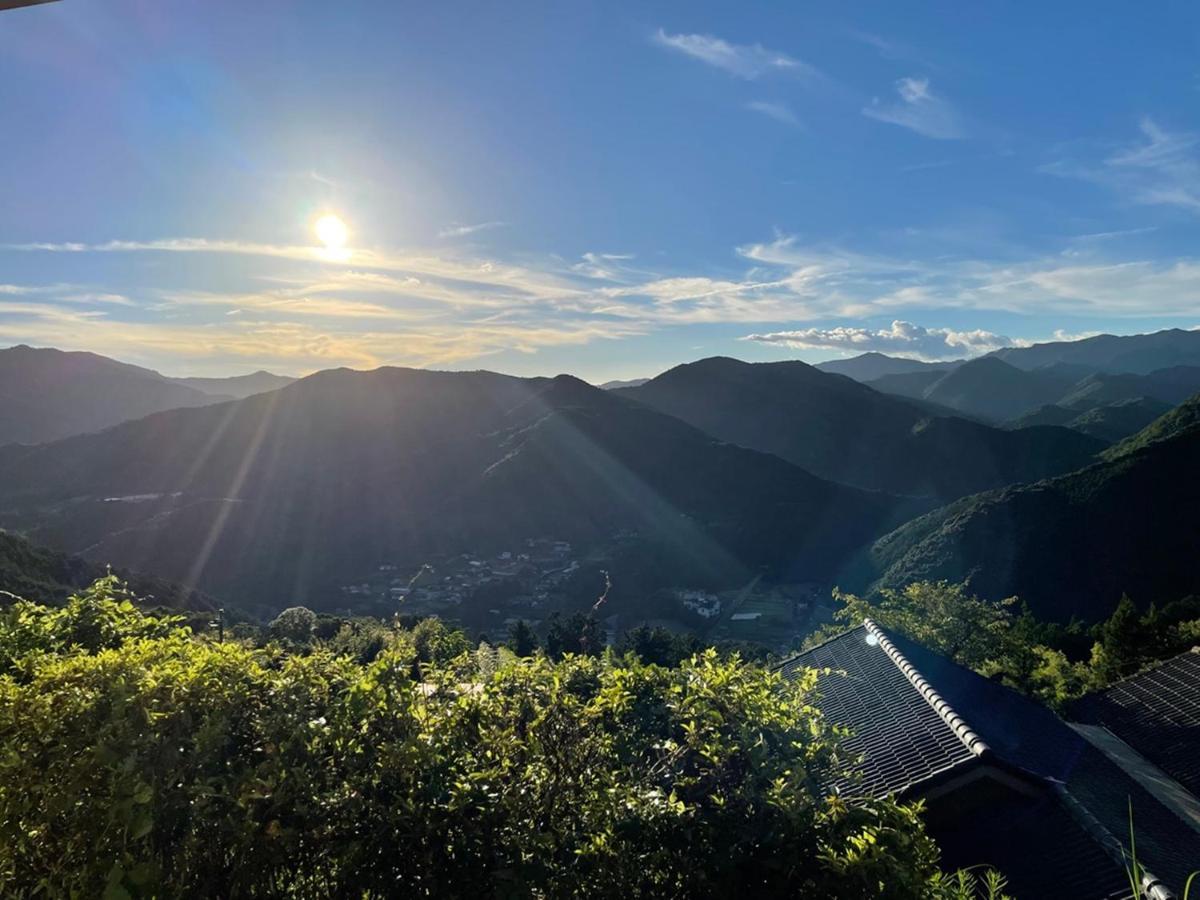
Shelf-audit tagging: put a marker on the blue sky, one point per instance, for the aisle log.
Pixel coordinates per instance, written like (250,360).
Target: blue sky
(601,188)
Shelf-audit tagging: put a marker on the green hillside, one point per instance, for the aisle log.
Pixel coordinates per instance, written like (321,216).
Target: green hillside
(1071,546)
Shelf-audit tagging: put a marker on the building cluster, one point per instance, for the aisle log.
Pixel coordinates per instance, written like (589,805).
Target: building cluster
(521,580)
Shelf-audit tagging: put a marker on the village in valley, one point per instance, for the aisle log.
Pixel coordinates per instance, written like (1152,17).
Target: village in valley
(540,577)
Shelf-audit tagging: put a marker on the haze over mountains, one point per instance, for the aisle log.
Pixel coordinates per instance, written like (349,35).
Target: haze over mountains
(730,470)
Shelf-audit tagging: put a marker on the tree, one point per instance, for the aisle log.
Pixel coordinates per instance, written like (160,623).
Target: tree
(436,642)
(578,633)
(295,624)
(521,638)
(994,639)
(659,646)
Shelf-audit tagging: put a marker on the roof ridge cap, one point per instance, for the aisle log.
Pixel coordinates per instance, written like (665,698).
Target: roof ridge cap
(956,723)
(1151,887)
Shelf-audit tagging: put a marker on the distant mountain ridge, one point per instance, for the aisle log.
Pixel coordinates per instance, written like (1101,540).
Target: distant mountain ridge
(1139,354)
(873,365)
(995,391)
(48,394)
(236,386)
(842,430)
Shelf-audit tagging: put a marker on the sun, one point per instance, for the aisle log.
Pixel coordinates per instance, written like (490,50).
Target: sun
(331,231)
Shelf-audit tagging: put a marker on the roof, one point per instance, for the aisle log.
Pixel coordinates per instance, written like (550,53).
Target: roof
(1156,712)
(16,4)
(918,721)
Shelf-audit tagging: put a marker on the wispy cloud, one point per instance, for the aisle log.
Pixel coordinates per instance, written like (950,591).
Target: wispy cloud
(603,266)
(780,112)
(901,339)
(919,109)
(1162,168)
(299,312)
(487,274)
(749,61)
(456,230)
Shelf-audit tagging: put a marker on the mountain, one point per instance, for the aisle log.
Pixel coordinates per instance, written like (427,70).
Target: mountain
(285,496)
(632,382)
(873,365)
(48,576)
(48,394)
(236,386)
(1137,353)
(1070,546)
(844,431)
(907,384)
(1171,386)
(1111,422)
(34,573)
(1181,420)
(993,389)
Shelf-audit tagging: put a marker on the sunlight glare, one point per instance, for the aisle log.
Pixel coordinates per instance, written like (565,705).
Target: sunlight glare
(331,231)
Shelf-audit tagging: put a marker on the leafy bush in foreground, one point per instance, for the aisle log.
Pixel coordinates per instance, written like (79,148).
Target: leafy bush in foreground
(161,764)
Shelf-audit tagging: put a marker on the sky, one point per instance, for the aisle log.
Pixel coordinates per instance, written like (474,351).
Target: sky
(607,189)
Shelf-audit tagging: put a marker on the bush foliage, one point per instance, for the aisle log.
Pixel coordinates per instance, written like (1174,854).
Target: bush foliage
(139,760)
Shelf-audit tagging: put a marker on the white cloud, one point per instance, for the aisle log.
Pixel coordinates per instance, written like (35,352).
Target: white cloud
(901,339)
(749,61)
(1061,334)
(780,112)
(456,230)
(920,110)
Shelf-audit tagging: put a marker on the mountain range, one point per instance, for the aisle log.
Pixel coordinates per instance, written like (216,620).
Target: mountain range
(47,394)
(992,390)
(1133,353)
(268,492)
(842,430)
(283,495)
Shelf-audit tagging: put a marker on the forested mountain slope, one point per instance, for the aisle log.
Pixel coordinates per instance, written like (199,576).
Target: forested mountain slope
(1070,546)
(844,431)
(283,496)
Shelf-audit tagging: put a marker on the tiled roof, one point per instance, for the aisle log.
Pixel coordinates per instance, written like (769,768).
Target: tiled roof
(917,718)
(1157,713)
(900,737)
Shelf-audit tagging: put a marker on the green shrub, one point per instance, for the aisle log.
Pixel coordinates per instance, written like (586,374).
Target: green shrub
(159,764)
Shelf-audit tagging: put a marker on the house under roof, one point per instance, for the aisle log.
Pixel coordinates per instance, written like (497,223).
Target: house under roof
(1006,782)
